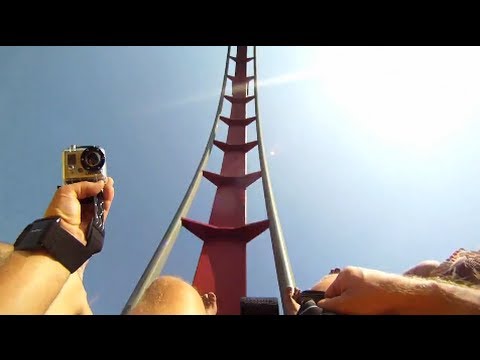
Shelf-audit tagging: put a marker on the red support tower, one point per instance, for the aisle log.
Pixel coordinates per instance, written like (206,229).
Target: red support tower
(222,264)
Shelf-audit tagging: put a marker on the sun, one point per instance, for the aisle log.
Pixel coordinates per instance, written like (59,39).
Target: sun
(410,97)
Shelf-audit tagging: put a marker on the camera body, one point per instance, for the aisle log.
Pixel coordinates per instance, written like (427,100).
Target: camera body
(83,163)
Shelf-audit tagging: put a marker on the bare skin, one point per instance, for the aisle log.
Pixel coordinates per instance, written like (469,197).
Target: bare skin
(423,269)
(294,294)
(210,302)
(48,286)
(354,288)
(72,299)
(170,295)
(351,290)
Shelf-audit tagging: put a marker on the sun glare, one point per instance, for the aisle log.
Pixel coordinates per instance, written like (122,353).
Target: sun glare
(414,97)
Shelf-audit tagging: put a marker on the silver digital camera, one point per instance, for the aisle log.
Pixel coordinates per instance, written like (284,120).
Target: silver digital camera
(84,163)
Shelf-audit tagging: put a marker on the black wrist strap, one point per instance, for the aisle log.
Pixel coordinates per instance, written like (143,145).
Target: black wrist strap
(47,234)
(66,249)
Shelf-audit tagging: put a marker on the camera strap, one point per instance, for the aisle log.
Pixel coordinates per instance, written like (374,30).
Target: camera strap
(96,229)
(47,234)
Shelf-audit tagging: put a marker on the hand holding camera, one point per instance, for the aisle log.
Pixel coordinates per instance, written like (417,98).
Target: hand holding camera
(76,217)
(87,163)
(84,177)
(84,201)
(72,232)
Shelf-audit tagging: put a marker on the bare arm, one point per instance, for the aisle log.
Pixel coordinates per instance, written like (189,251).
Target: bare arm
(364,291)
(86,310)
(435,297)
(30,281)
(6,250)
(72,299)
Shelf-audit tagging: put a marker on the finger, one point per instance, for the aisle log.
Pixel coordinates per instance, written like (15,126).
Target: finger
(297,295)
(108,190)
(335,304)
(109,182)
(82,190)
(108,195)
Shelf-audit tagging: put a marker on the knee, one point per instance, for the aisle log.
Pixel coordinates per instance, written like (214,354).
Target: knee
(423,268)
(164,286)
(324,282)
(168,282)
(170,295)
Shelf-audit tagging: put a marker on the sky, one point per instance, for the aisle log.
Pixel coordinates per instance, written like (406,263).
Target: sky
(373,152)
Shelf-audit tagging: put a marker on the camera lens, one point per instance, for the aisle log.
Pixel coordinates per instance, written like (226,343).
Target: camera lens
(92,158)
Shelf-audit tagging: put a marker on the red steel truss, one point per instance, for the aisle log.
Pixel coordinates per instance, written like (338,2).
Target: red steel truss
(222,264)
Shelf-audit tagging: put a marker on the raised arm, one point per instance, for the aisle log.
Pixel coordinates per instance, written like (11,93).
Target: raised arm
(31,280)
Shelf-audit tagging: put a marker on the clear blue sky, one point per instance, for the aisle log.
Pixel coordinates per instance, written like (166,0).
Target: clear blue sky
(373,152)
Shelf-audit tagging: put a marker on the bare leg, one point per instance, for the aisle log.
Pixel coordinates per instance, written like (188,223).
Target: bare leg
(423,269)
(210,303)
(429,268)
(169,295)
(325,282)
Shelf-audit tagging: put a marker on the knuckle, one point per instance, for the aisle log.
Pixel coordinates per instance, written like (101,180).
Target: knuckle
(64,190)
(350,269)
